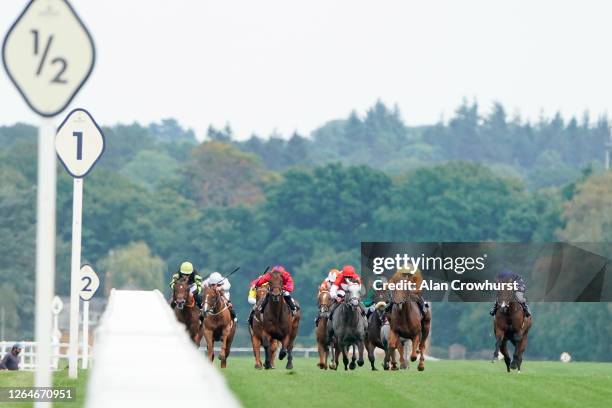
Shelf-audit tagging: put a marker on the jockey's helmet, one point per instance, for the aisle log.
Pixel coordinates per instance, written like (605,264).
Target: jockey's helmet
(349,270)
(215,278)
(186,268)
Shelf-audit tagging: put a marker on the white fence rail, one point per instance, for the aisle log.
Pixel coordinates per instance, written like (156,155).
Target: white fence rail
(143,357)
(28,355)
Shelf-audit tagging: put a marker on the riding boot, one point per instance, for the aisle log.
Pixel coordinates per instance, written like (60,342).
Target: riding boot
(172,304)
(202,315)
(198,299)
(331,310)
(231,310)
(291,304)
(251,315)
(263,304)
(363,309)
(317,320)
(493,310)
(526,309)
(422,304)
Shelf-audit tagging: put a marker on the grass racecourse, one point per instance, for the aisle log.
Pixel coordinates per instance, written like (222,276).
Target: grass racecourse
(442,384)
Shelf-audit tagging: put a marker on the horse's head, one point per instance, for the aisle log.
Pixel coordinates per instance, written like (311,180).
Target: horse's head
(324,301)
(276,285)
(505,298)
(181,294)
(353,294)
(212,296)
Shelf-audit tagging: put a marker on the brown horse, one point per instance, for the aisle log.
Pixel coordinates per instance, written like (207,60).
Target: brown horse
(324,302)
(186,310)
(256,331)
(278,322)
(218,324)
(510,324)
(406,322)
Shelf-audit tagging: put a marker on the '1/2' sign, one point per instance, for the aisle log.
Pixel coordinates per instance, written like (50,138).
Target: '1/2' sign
(48,54)
(79,143)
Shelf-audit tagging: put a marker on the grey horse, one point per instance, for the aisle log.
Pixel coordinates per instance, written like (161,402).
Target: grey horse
(349,328)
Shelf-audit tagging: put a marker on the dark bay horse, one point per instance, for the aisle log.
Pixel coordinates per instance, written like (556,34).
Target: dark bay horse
(377,335)
(324,302)
(349,328)
(407,323)
(510,324)
(278,322)
(186,310)
(256,331)
(218,324)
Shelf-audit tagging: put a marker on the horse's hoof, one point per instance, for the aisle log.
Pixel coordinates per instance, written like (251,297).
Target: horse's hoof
(421,368)
(352,365)
(413,358)
(289,366)
(394,368)
(360,363)
(386,367)
(404,366)
(258,366)
(267,365)
(374,369)
(282,354)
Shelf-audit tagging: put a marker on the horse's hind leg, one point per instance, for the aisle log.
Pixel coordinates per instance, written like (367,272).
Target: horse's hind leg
(504,351)
(352,365)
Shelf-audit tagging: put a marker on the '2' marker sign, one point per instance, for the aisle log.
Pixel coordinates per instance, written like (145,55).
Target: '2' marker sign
(79,143)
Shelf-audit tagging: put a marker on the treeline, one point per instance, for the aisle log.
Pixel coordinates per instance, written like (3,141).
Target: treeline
(159,197)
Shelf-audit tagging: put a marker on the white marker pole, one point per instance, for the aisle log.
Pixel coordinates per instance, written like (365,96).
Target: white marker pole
(85,349)
(45,253)
(75,278)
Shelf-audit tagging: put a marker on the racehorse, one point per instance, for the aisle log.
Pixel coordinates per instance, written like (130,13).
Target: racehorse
(510,324)
(406,322)
(349,328)
(256,331)
(278,322)
(377,335)
(186,310)
(324,302)
(218,324)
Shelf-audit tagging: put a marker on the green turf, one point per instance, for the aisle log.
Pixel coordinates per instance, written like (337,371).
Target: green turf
(60,379)
(442,384)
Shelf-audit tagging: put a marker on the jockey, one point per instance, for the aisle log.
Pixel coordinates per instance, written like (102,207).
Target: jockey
(194,280)
(217,281)
(326,286)
(287,287)
(347,277)
(507,275)
(329,280)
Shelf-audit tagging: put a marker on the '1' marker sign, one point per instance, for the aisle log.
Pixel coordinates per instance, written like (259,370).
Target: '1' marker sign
(79,143)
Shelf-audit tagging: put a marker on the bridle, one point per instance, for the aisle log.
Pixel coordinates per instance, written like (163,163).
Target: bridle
(209,308)
(190,302)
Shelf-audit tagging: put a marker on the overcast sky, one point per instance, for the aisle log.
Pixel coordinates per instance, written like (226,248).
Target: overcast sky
(288,65)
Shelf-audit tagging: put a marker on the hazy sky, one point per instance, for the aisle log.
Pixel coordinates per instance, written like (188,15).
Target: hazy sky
(286,65)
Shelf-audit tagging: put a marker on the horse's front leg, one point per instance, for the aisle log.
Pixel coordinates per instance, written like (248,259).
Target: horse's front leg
(345,358)
(360,347)
(521,349)
(256,342)
(224,346)
(504,350)
(352,364)
(394,344)
(402,355)
(288,350)
(210,345)
(267,344)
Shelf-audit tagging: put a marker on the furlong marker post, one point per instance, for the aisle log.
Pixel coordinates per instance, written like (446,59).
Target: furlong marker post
(75,268)
(45,251)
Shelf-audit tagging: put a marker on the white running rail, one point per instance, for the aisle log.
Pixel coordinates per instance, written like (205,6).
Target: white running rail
(28,355)
(145,358)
